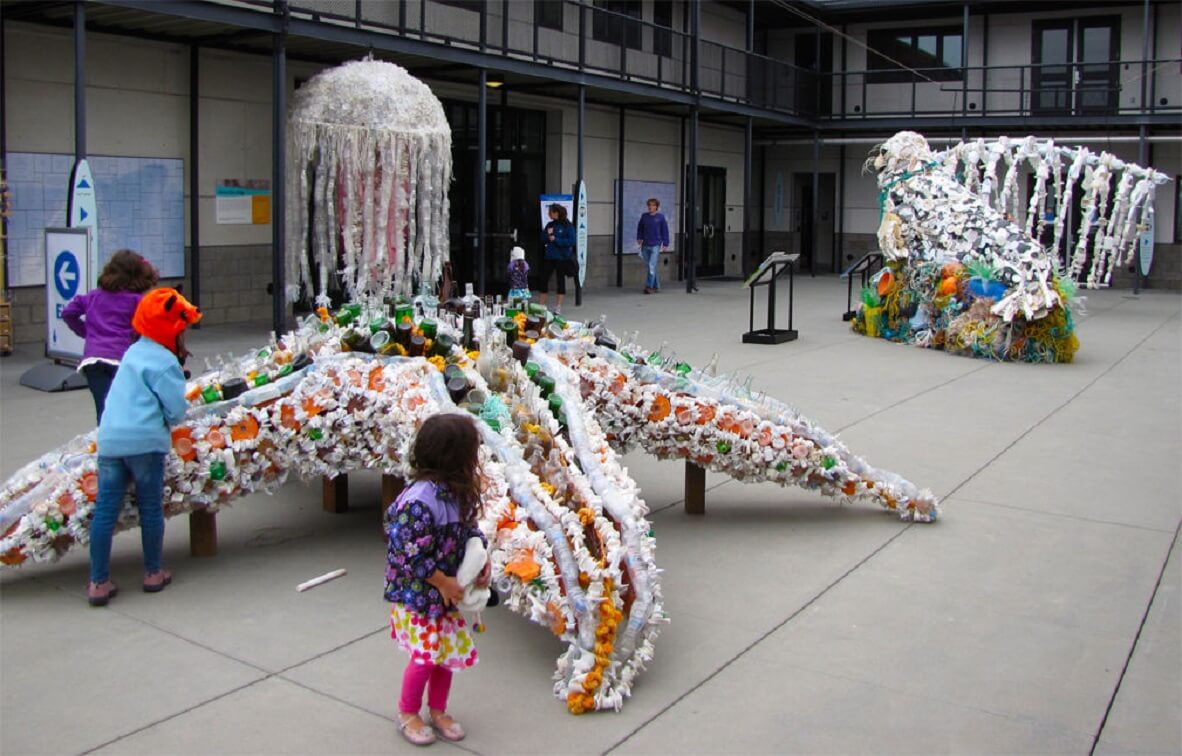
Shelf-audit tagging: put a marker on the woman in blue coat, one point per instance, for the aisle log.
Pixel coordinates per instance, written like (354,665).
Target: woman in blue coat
(559,258)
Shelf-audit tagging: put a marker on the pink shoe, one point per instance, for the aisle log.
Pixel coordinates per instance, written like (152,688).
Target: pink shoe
(154,582)
(415,730)
(98,594)
(447,727)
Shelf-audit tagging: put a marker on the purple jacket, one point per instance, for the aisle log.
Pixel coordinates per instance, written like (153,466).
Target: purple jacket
(103,318)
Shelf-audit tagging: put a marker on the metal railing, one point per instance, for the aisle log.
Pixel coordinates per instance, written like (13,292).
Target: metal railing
(600,41)
(1082,90)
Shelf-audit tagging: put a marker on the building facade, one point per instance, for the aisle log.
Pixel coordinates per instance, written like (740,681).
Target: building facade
(752,118)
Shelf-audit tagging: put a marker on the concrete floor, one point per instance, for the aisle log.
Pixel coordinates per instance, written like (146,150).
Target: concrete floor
(1041,614)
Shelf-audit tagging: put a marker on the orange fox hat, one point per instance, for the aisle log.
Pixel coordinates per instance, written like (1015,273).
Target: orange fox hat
(162,314)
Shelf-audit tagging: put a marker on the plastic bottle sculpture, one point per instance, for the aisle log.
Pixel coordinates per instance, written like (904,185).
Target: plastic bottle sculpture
(369,147)
(570,544)
(965,269)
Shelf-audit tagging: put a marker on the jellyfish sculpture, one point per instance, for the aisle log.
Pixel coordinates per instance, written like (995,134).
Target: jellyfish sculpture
(369,159)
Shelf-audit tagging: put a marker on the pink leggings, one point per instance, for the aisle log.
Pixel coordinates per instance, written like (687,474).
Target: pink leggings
(414,681)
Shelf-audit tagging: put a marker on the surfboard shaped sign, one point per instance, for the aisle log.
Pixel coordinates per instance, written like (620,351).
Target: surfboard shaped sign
(83,209)
(1146,252)
(581,233)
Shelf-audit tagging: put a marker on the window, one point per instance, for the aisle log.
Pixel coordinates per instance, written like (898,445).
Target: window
(663,38)
(934,52)
(609,27)
(472,5)
(548,13)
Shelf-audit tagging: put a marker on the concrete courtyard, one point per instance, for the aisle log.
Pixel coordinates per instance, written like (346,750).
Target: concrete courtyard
(1041,614)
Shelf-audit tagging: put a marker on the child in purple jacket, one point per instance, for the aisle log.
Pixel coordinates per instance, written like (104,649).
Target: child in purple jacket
(102,316)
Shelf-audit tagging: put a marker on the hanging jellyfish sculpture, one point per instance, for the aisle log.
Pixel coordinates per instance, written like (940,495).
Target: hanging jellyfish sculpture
(965,270)
(556,402)
(369,156)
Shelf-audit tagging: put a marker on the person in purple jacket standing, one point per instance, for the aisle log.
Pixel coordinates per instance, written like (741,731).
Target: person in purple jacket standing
(102,316)
(652,234)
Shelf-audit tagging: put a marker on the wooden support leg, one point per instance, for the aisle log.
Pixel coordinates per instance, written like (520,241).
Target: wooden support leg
(695,489)
(335,496)
(203,533)
(392,485)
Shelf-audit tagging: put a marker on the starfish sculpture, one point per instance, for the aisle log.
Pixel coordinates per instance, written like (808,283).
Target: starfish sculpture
(570,545)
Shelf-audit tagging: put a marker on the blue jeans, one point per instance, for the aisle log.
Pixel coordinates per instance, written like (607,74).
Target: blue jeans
(98,377)
(147,472)
(651,255)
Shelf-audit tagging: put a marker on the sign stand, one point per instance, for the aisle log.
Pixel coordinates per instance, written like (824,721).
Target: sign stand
(68,268)
(767,273)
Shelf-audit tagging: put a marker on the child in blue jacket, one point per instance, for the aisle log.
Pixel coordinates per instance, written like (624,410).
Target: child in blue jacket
(146,398)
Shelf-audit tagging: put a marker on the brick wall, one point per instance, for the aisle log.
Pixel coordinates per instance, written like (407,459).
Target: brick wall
(234,284)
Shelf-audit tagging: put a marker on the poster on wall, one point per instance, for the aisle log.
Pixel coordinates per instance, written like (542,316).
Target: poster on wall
(139,202)
(243,202)
(635,198)
(546,200)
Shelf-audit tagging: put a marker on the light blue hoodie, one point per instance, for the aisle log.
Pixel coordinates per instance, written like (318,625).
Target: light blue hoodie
(146,397)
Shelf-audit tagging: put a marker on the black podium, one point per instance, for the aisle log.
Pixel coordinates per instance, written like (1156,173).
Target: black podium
(776,264)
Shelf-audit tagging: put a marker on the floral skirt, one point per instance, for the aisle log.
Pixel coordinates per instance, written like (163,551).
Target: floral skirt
(446,641)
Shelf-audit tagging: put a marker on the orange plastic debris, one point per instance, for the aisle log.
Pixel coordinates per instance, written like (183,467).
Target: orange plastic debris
(245,429)
(524,567)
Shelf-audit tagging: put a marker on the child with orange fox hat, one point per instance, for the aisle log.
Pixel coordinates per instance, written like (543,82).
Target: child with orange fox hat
(146,398)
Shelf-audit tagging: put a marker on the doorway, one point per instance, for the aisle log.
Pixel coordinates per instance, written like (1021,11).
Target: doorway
(814,227)
(1075,68)
(514,175)
(814,83)
(710,222)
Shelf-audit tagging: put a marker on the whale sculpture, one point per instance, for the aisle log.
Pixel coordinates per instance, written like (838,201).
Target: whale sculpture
(570,544)
(972,269)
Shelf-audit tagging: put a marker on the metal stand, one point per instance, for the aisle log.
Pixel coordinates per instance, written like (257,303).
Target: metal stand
(766,275)
(866,266)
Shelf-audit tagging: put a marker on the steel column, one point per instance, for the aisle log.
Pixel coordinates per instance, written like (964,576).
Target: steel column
(839,237)
(582,117)
(481,179)
(964,66)
(691,247)
(79,80)
(692,221)
(194,174)
(746,253)
(682,228)
(620,204)
(278,173)
(763,201)
(816,201)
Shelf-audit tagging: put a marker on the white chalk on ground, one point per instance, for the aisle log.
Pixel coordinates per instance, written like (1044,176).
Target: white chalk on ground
(322,579)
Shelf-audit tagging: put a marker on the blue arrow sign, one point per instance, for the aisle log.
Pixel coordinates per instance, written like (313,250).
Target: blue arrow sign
(65,274)
(83,184)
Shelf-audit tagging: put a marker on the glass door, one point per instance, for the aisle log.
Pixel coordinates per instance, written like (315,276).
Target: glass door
(1075,68)
(1096,75)
(712,222)
(1050,79)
